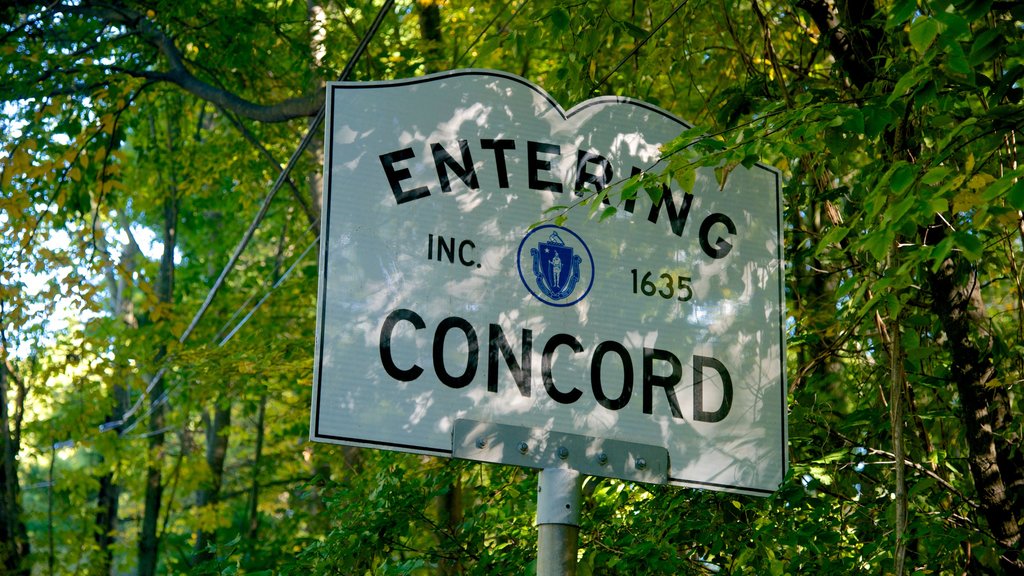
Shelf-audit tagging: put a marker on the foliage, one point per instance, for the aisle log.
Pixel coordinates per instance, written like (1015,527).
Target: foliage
(133,126)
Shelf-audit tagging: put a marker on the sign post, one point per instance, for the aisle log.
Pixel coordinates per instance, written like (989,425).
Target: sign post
(558,521)
(642,339)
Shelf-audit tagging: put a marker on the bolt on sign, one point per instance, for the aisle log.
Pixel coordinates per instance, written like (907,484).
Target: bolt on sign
(447,291)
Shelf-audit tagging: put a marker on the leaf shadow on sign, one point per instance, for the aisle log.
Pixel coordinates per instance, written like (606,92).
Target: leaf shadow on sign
(473,342)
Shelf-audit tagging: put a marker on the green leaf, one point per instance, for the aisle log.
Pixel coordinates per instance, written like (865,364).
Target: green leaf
(559,18)
(876,120)
(906,82)
(1008,83)
(1001,185)
(654,192)
(957,60)
(635,31)
(686,178)
(1015,196)
(854,121)
(902,178)
(901,11)
(877,243)
(973,9)
(833,236)
(971,245)
(596,200)
(953,24)
(630,187)
(935,175)
(897,211)
(923,32)
(986,45)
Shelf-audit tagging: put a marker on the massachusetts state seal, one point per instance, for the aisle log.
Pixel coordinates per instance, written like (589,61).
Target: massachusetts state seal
(560,268)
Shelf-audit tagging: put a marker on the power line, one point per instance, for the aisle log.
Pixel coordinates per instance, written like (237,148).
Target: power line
(251,231)
(270,292)
(489,24)
(164,396)
(640,45)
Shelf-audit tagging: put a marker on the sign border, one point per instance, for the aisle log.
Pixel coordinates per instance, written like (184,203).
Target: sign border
(329,112)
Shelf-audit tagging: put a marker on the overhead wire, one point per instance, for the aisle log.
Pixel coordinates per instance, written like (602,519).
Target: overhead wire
(269,293)
(251,231)
(245,305)
(283,178)
(223,340)
(490,23)
(640,45)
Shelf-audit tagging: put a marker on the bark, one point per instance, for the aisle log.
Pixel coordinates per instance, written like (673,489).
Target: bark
(175,68)
(254,491)
(107,506)
(451,515)
(896,415)
(854,38)
(851,39)
(957,301)
(430,33)
(314,179)
(14,543)
(109,493)
(216,452)
(149,538)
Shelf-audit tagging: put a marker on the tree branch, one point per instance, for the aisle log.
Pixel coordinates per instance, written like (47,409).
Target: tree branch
(853,51)
(178,72)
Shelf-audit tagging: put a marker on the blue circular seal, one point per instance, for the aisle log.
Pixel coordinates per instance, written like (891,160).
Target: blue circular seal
(559,269)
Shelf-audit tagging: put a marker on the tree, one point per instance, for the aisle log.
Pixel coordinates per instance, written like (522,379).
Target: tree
(141,137)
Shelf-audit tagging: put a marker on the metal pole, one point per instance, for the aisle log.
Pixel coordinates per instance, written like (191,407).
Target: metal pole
(558,521)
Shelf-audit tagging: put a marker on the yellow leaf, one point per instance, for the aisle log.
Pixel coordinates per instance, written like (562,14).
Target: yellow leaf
(75,174)
(1008,218)
(970,163)
(979,181)
(966,200)
(20,160)
(107,123)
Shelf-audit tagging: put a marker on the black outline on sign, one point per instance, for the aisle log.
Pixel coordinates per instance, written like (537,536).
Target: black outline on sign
(522,277)
(325,233)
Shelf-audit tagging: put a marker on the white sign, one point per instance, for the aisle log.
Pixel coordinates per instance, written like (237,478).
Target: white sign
(446,292)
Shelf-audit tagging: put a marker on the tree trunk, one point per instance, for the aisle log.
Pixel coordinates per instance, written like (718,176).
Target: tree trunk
(957,301)
(852,33)
(109,493)
(149,538)
(14,544)
(254,491)
(430,34)
(451,516)
(216,453)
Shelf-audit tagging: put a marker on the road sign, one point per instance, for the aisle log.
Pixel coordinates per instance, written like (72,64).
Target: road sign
(447,291)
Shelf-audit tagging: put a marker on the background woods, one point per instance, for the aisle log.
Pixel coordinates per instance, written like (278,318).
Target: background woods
(150,424)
